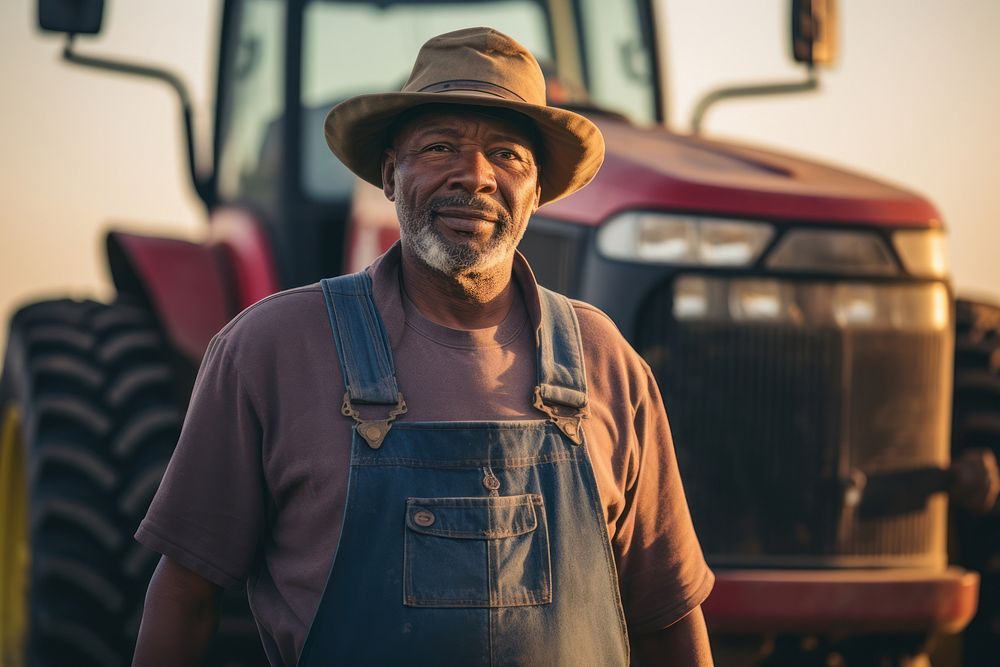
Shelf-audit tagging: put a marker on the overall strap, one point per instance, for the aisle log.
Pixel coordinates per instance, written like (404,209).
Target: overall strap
(364,352)
(562,382)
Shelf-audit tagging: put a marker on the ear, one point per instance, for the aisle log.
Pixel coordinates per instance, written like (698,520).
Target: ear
(538,195)
(389,174)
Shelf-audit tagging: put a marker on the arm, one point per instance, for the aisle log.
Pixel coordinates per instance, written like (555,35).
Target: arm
(205,516)
(669,553)
(179,617)
(684,643)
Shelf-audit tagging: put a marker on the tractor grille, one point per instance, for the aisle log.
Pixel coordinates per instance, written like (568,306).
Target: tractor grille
(770,420)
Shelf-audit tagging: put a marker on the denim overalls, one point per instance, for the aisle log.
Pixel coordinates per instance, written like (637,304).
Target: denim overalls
(467,543)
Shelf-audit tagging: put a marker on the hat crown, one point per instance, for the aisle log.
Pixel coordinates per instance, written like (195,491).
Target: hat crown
(480,61)
(478,68)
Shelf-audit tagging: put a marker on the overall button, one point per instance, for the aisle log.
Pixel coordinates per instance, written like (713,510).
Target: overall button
(423,518)
(491,482)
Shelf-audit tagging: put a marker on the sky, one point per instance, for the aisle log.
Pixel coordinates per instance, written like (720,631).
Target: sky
(913,99)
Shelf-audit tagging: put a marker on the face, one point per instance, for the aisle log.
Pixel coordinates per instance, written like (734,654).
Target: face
(464,185)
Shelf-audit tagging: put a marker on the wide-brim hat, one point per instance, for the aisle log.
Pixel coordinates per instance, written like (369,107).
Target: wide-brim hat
(480,67)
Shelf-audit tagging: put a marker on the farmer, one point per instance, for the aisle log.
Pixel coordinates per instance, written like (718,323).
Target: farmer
(434,461)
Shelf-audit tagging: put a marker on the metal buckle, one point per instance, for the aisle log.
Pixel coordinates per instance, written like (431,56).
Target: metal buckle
(570,425)
(372,430)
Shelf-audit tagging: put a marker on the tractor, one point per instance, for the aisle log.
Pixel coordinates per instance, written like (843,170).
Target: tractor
(819,374)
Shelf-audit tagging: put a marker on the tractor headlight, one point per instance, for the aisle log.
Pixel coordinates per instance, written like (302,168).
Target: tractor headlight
(692,298)
(657,238)
(763,301)
(833,251)
(845,305)
(857,305)
(924,252)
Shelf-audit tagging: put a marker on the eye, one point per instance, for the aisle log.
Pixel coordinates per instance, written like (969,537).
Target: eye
(507,154)
(436,148)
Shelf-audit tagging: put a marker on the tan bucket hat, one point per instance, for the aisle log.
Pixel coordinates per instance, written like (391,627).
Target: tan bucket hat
(478,67)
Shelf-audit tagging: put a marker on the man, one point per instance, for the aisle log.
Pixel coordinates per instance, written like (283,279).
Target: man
(521,505)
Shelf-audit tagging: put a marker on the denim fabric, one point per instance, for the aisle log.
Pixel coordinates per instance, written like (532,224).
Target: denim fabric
(359,332)
(471,543)
(505,533)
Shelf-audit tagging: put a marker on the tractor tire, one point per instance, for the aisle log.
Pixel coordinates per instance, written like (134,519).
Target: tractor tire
(976,424)
(91,415)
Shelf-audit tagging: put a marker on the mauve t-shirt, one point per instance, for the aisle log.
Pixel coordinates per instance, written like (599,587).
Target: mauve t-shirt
(257,486)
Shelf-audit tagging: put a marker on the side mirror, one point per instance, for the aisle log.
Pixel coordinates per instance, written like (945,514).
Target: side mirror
(76,17)
(814,31)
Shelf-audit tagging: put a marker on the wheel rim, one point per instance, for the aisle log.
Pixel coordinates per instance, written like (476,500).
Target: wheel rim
(14,547)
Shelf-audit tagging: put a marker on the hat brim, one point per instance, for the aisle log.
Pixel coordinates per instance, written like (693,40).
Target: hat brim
(357,131)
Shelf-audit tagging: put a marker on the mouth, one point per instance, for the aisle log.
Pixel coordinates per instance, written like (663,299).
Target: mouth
(466,222)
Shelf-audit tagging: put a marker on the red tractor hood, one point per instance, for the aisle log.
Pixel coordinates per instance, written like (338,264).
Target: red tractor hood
(655,169)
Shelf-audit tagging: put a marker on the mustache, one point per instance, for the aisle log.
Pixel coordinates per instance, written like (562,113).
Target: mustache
(472,202)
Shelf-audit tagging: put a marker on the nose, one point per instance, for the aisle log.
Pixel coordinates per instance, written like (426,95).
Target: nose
(473,173)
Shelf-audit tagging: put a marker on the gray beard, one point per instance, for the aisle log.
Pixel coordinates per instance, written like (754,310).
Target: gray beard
(419,233)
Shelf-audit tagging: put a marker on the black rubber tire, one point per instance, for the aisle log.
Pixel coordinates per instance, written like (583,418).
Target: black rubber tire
(100,420)
(976,424)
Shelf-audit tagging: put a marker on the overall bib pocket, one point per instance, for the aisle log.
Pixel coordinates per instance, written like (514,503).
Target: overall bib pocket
(476,552)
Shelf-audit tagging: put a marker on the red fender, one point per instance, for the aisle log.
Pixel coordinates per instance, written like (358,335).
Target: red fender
(194,289)
(247,250)
(843,601)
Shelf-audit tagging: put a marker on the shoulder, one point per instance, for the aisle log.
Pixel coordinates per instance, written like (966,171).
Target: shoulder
(594,321)
(614,368)
(264,314)
(600,335)
(277,320)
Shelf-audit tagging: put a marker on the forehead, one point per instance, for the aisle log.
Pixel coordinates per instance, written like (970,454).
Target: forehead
(492,123)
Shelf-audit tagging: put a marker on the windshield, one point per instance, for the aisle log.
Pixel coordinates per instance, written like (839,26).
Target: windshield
(351,48)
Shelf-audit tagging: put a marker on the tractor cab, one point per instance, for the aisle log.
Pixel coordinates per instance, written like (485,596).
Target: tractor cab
(284,65)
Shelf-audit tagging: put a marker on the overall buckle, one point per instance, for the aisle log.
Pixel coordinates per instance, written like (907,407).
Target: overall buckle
(570,424)
(372,430)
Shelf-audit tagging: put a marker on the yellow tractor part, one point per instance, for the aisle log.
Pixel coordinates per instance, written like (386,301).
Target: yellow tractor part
(14,548)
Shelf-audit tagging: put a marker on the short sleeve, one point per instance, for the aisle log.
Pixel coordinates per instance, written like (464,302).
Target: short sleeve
(208,511)
(662,571)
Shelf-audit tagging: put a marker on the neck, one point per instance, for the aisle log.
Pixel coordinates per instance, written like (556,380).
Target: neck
(468,300)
